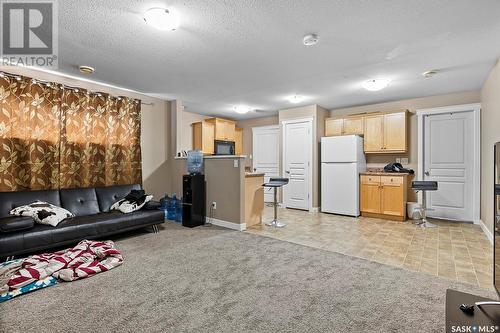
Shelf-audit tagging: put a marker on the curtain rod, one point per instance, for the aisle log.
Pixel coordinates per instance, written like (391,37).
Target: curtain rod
(65,86)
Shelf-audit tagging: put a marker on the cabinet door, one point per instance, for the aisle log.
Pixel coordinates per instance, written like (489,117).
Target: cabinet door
(370,198)
(395,131)
(354,125)
(197,136)
(229,130)
(392,199)
(219,129)
(374,133)
(334,127)
(238,142)
(208,137)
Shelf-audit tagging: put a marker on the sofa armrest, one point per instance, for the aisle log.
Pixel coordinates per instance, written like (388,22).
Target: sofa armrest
(16,223)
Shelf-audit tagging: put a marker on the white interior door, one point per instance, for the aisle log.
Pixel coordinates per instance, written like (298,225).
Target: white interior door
(297,149)
(266,151)
(449,160)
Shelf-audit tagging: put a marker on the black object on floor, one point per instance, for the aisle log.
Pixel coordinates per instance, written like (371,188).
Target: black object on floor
(487,316)
(194,200)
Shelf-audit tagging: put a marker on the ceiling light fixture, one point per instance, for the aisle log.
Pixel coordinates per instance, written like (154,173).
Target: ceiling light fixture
(242,109)
(162,18)
(310,40)
(431,73)
(376,84)
(295,99)
(86,69)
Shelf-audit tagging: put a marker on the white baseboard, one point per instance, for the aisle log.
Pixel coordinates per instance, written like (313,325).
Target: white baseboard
(229,225)
(486,231)
(314,209)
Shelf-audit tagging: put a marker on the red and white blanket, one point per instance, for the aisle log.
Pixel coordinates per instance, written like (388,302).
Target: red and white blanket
(85,259)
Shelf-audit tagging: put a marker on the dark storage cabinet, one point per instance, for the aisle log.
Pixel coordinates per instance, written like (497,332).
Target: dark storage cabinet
(194,204)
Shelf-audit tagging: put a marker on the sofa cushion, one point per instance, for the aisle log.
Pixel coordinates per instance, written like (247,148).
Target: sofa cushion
(16,223)
(74,230)
(107,196)
(11,200)
(80,201)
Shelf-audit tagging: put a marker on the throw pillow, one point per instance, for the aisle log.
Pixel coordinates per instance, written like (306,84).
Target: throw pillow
(128,206)
(43,213)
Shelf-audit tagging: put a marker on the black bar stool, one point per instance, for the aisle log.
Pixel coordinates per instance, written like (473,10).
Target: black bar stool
(275,183)
(424,186)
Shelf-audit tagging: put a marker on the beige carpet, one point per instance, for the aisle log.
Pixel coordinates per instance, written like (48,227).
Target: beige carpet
(215,280)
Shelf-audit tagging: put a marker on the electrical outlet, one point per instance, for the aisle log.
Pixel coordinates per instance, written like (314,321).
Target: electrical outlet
(236,163)
(404,160)
(214,205)
(398,160)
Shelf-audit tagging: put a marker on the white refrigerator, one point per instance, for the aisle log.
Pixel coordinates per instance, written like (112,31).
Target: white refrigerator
(342,159)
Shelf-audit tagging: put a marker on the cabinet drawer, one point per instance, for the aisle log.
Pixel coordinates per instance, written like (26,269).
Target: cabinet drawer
(391,180)
(366,179)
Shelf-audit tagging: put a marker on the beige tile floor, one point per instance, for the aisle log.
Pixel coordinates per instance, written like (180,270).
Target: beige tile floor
(453,250)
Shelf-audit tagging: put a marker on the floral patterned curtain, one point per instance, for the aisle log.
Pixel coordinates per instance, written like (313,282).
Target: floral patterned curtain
(56,137)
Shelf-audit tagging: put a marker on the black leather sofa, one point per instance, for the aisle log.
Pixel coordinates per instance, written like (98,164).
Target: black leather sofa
(93,218)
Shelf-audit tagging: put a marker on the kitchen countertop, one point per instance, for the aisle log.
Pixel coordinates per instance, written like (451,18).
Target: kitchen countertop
(254,174)
(216,157)
(383,173)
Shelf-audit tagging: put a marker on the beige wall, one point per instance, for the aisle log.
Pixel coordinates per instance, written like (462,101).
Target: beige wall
(247,126)
(379,160)
(154,126)
(490,134)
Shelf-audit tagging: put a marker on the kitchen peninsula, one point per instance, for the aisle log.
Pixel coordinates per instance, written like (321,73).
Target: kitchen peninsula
(238,195)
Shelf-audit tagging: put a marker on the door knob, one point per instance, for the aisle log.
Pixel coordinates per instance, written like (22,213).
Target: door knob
(287,171)
(427,173)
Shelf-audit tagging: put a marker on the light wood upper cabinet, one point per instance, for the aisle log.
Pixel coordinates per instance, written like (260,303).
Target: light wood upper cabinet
(386,133)
(373,133)
(203,137)
(238,142)
(224,129)
(334,127)
(395,131)
(354,125)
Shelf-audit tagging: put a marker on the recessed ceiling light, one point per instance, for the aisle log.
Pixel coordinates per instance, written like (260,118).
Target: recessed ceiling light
(430,73)
(295,99)
(242,109)
(162,18)
(86,69)
(376,84)
(310,40)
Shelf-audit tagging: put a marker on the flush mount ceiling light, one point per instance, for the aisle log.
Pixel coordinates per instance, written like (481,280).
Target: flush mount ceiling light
(295,99)
(310,40)
(242,109)
(162,18)
(376,84)
(86,69)
(431,73)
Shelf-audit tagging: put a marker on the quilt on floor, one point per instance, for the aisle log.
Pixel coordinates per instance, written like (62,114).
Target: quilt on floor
(85,259)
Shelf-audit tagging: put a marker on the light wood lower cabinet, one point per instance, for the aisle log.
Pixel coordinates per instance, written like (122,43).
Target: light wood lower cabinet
(384,196)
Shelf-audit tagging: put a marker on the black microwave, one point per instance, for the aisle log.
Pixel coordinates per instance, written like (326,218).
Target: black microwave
(224,147)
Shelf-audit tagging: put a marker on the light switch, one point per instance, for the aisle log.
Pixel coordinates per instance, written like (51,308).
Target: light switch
(404,160)
(236,163)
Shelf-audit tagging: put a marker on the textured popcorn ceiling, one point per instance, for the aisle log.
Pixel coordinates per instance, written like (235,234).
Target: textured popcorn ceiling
(229,52)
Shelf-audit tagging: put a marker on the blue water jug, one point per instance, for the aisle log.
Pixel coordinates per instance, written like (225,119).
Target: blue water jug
(171,208)
(178,211)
